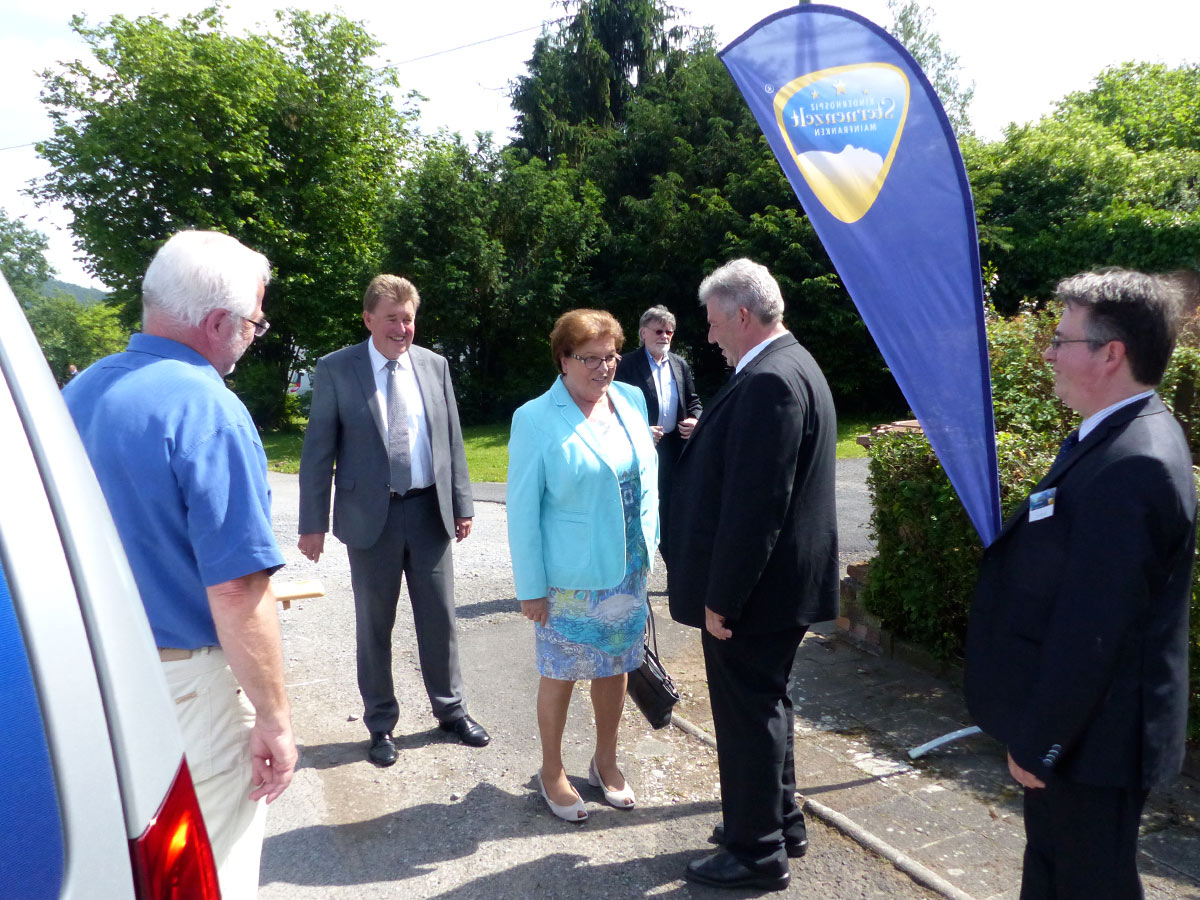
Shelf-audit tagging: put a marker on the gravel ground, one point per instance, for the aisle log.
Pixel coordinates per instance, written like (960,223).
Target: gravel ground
(452,821)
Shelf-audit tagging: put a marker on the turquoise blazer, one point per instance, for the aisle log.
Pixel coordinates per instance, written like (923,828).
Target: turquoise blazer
(566,526)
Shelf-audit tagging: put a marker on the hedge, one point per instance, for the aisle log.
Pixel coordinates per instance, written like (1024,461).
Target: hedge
(927,551)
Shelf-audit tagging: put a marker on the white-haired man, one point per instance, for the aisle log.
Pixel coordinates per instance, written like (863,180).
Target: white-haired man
(754,563)
(184,473)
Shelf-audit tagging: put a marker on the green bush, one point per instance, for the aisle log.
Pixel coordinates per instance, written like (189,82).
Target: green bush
(263,388)
(927,550)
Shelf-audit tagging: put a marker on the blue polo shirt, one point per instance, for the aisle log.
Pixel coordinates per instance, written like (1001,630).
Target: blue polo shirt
(185,476)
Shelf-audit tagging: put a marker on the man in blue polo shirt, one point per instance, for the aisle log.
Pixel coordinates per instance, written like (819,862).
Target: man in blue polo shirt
(184,473)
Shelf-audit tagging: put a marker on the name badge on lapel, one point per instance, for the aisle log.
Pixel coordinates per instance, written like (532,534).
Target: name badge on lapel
(1041,504)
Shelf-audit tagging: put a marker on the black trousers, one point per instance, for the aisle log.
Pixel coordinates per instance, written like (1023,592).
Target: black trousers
(669,447)
(748,678)
(1081,842)
(414,547)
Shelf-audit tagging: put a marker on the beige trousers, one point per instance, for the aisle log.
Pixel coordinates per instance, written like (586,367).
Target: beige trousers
(215,718)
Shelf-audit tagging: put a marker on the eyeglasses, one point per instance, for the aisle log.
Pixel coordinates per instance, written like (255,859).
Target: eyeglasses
(593,362)
(1056,342)
(664,331)
(261,327)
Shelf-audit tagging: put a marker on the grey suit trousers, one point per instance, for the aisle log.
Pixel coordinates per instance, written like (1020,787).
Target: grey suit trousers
(414,547)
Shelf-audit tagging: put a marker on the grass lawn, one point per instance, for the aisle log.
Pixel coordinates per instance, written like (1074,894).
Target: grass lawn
(487,446)
(849,428)
(283,448)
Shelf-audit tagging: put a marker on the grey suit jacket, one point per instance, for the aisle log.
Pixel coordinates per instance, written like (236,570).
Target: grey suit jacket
(346,428)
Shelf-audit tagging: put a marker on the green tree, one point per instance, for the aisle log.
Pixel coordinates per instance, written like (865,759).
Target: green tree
(690,182)
(584,73)
(288,141)
(71,333)
(499,247)
(1091,186)
(912,26)
(23,258)
(1149,105)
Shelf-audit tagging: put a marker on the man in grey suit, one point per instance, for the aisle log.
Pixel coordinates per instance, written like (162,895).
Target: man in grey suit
(384,412)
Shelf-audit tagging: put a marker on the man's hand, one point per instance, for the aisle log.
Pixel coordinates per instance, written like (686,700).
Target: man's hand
(462,528)
(273,759)
(1027,779)
(656,433)
(243,610)
(685,427)
(538,610)
(714,623)
(312,545)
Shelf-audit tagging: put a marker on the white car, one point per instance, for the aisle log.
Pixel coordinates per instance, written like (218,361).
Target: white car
(95,795)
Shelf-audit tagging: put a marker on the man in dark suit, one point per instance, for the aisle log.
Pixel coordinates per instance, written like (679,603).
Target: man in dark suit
(754,563)
(384,412)
(1077,644)
(672,404)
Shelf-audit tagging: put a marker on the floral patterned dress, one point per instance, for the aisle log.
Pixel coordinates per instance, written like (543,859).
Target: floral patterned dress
(598,633)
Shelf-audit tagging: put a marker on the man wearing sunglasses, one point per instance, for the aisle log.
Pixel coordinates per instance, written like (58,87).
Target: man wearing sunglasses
(672,403)
(1077,643)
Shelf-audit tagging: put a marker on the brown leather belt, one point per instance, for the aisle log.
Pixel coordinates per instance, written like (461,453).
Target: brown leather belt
(177,654)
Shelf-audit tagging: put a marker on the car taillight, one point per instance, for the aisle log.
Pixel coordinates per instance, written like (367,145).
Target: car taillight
(172,859)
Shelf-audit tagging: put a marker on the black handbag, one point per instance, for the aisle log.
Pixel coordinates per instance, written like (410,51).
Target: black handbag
(649,685)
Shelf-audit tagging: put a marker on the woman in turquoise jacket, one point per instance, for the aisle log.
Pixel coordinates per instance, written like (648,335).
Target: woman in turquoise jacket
(582,530)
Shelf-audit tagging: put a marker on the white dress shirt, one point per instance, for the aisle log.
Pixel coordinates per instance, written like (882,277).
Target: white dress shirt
(753,352)
(420,445)
(668,393)
(1089,424)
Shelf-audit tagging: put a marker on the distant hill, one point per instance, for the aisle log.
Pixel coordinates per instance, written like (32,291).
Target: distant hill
(85,295)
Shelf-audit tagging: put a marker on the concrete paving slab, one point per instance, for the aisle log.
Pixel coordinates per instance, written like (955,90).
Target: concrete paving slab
(977,865)
(907,824)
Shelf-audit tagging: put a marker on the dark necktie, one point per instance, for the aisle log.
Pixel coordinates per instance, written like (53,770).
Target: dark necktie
(1069,443)
(399,462)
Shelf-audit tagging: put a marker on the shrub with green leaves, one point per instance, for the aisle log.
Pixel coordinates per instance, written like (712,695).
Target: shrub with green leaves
(927,550)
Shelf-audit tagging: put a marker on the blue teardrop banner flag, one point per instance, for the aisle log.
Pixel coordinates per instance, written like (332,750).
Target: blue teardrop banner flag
(867,147)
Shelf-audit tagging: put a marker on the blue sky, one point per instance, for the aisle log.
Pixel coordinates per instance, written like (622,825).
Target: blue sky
(1022,55)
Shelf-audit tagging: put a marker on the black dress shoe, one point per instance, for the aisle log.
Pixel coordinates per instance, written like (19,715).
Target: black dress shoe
(383,751)
(795,849)
(722,869)
(468,730)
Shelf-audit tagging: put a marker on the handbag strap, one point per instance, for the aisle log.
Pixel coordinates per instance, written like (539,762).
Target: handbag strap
(651,627)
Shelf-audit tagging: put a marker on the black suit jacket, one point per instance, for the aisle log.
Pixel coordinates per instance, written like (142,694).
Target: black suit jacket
(1077,643)
(634,368)
(754,531)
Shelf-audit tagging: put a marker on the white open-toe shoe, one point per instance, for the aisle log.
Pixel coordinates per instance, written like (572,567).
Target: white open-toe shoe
(574,813)
(622,799)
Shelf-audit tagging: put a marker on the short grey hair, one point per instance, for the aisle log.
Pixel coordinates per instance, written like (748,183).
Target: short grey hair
(657,314)
(1141,311)
(744,282)
(196,272)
